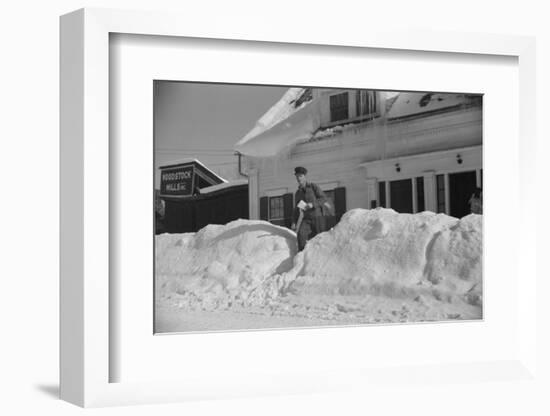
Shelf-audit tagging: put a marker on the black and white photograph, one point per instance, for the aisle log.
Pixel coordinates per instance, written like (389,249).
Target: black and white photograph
(296,207)
(275,208)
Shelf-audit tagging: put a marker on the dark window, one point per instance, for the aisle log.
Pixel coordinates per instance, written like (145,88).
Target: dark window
(264,208)
(440,180)
(276,208)
(420,194)
(339,107)
(382,194)
(339,202)
(401,195)
(365,102)
(461,187)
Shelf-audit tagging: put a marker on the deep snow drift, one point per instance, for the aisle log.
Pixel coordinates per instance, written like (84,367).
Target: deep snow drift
(223,264)
(373,266)
(395,255)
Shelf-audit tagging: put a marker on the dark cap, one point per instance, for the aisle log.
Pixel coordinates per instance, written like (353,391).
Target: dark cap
(300,171)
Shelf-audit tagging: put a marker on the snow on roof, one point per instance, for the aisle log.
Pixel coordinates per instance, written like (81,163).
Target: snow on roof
(295,118)
(412,103)
(228,184)
(291,120)
(390,101)
(192,160)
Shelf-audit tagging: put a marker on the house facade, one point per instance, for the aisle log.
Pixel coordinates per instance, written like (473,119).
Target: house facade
(408,151)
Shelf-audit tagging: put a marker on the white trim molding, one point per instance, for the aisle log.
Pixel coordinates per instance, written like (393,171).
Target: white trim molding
(275,192)
(328,186)
(416,165)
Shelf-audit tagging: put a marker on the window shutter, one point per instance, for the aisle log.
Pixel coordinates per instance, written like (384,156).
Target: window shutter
(264,201)
(340,202)
(288,203)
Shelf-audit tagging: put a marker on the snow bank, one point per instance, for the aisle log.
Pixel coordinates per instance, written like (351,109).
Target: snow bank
(395,255)
(222,264)
(368,253)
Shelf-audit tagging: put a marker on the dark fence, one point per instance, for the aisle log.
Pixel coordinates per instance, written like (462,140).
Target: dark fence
(193,213)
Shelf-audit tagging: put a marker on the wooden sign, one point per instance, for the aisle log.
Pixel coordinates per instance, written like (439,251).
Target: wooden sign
(177,181)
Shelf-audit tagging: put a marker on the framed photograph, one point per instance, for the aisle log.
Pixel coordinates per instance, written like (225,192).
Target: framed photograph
(229,202)
(384,225)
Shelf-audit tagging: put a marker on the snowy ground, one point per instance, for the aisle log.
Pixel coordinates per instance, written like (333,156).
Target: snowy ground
(375,266)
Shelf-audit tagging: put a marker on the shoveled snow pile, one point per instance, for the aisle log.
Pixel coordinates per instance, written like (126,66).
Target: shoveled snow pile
(222,264)
(373,266)
(395,255)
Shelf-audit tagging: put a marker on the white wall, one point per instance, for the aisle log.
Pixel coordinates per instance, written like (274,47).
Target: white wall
(29,212)
(343,158)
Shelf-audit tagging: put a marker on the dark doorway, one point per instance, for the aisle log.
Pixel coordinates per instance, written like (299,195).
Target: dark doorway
(401,195)
(461,187)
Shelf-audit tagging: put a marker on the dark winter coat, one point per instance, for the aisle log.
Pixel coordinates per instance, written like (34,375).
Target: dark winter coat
(311,193)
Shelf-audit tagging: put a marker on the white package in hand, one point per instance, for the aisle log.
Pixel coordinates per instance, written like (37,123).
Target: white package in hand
(302,205)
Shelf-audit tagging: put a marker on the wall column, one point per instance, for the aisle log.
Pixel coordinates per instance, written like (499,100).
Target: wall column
(478,178)
(372,192)
(430,192)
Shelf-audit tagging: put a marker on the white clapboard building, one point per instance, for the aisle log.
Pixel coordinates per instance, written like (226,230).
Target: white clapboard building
(410,151)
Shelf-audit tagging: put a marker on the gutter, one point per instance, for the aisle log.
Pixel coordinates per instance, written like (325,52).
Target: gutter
(239,154)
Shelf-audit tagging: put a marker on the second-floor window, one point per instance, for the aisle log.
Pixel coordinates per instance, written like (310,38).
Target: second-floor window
(365,102)
(339,107)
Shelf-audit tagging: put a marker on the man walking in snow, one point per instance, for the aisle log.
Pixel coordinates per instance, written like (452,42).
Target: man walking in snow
(308,220)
